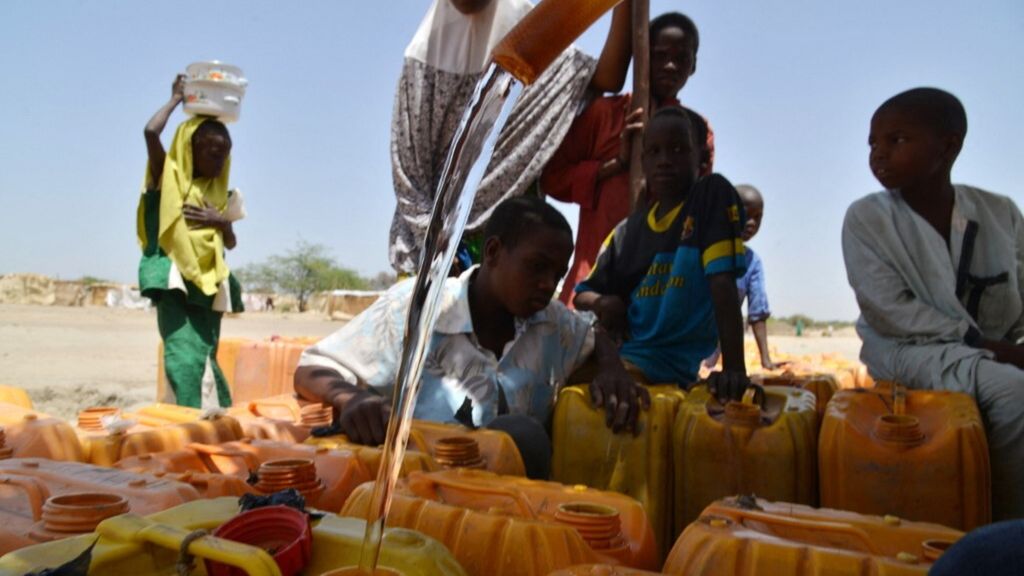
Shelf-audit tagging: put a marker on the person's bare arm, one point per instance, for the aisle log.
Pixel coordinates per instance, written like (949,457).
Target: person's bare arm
(614,389)
(610,311)
(155,127)
(362,414)
(613,64)
(732,381)
(760,330)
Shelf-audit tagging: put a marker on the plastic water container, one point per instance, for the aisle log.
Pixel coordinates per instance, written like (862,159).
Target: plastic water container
(214,89)
(485,544)
(917,454)
(587,452)
(743,448)
(31,434)
(742,536)
(446,446)
(48,500)
(613,524)
(151,546)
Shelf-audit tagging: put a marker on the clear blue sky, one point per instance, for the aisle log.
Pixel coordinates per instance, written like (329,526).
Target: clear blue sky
(789,86)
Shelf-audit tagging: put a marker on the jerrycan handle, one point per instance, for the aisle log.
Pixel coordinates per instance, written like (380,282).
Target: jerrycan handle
(818,525)
(251,560)
(754,394)
(899,399)
(516,495)
(206,453)
(255,409)
(33,488)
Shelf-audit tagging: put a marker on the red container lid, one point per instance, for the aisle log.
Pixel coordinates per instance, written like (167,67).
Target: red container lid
(280,530)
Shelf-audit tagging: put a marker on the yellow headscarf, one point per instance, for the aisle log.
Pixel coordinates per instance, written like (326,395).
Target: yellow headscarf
(198,253)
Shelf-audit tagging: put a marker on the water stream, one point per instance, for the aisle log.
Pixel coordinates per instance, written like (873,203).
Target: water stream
(453,201)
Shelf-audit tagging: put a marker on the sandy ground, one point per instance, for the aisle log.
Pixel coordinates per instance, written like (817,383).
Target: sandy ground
(67,358)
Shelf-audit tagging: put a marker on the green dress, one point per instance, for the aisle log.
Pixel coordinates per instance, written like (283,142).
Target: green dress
(189,326)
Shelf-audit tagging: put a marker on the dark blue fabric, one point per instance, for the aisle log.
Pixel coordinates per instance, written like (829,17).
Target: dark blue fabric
(993,550)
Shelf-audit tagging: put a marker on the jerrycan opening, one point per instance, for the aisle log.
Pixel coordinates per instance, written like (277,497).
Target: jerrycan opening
(5,450)
(932,549)
(459,452)
(91,419)
(298,473)
(598,525)
(899,429)
(78,513)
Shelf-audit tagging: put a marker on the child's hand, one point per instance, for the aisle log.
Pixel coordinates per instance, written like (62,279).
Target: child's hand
(205,217)
(178,88)
(364,418)
(621,397)
(634,125)
(728,385)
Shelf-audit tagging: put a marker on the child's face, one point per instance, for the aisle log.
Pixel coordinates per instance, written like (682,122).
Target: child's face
(753,205)
(209,153)
(527,274)
(671,160)
(905,151)
(673,60)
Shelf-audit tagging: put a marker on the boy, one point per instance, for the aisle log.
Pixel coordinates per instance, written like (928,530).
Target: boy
(500,346)
(671,269)
(937,272)
(751,286)
(591,166)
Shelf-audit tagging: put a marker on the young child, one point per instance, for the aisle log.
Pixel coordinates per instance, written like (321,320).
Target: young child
(937,271)
(751,286)
(184,224)
(500,346)
(591,166)
(666,277)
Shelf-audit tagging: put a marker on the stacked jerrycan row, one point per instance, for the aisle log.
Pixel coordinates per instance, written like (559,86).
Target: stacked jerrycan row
(691,451)
(323,476)
(177,539)
(449,446)
(504,525)
(253,369)
(43,500)
(917,454)
(746,535)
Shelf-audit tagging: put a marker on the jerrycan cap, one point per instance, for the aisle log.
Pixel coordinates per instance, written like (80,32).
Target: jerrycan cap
(747,412)
(280,530)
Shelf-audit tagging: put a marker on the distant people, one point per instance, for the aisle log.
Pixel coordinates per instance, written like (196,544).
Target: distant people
(443,63)
(591,167)
(500,348)
(270,304)
(938,271)
(751,285)
(665,280)
(185,220)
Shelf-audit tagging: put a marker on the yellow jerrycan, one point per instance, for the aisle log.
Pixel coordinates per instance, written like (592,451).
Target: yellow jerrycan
(917,454)
(587,452)
(743,448)
(158,543)
(25,433)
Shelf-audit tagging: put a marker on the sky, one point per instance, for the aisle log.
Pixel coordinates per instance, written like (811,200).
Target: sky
(789,87)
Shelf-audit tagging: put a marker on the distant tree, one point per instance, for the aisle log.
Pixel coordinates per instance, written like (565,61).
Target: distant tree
(383,280)
(301,272)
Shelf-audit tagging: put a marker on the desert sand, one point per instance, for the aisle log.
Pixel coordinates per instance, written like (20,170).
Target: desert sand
(72,357)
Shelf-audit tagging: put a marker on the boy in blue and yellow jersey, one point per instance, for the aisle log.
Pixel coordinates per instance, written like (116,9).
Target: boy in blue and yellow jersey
(665,280)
